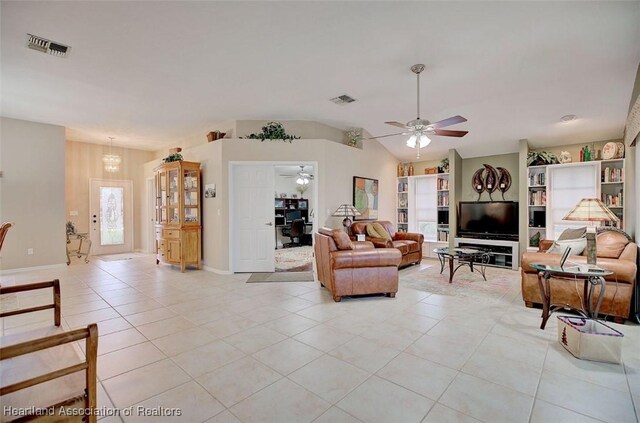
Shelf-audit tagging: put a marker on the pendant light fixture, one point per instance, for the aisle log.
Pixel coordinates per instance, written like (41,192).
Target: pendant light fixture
(111,161)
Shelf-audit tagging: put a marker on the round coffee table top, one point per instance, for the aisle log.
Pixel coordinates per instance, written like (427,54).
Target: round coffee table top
(458,251)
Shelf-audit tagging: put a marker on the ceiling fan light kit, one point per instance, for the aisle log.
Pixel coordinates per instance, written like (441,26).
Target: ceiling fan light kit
(420,128)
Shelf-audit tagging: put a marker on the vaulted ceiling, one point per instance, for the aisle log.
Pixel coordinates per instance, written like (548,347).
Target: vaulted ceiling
(154,73)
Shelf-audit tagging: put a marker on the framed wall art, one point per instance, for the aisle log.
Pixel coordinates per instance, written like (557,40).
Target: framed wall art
(365,197)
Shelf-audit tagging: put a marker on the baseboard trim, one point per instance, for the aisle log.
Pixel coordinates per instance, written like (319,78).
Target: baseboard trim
(29,269)
(218,271)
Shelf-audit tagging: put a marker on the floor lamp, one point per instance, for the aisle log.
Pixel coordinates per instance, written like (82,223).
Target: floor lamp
(591,210)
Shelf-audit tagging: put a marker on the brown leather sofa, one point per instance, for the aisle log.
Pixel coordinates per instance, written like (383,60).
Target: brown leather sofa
(616,252)
(361,270)
(409,244)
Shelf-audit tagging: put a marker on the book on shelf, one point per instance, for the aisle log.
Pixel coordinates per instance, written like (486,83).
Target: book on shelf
(537,198)
(537,179)
(403,187)
(402,217)
(443,236)
(443,199)
(612,174)
(443,184)
(612,200)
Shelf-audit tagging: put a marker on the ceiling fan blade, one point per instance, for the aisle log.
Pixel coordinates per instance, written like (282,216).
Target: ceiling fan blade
(449,133)
(398,124)
(385,136)
(448,122)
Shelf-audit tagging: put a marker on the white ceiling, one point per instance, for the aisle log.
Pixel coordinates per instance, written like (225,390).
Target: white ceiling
(155,73)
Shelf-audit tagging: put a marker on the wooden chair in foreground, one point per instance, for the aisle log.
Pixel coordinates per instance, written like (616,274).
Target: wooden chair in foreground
(3,232)
(47,375)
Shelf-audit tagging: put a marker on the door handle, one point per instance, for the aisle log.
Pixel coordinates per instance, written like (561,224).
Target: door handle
(269,224)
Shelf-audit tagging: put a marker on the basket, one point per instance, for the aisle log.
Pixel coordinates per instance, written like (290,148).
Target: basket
(590,339)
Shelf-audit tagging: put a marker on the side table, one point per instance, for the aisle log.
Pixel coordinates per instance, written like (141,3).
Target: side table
(84,239)
(591,277)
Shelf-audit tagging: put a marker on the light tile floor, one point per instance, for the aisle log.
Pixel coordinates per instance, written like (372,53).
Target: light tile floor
(223,350)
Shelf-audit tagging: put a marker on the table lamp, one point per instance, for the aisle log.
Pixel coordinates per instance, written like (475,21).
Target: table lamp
(346,211)
(591,210)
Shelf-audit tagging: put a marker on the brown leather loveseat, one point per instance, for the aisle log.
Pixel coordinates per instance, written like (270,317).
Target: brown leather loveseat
(356,269)
(616,252)
(409,244)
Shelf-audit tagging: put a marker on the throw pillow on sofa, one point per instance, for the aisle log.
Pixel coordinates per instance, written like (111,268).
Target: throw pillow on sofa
(382,231)
(573,234)
(577,246)
(371,231)
(342,240)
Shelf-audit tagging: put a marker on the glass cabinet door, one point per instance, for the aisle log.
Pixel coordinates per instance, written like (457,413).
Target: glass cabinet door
(174,196)
(191,196)
(161,197)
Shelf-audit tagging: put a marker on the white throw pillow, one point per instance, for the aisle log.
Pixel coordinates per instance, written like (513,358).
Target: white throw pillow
(577,246)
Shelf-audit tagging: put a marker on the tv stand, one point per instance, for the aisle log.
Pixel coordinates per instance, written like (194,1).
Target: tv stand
(503,253)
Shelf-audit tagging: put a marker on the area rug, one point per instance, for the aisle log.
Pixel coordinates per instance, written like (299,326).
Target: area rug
(281,277)
(465,283)
(295,259)
(122,256)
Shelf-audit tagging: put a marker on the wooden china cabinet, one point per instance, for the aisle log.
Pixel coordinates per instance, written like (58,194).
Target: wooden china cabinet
(178,228)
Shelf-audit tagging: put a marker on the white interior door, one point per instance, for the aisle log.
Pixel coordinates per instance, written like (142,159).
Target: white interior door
(253,218)
(111,216)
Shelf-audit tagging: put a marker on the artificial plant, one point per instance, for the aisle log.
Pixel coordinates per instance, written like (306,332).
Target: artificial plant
(272,131)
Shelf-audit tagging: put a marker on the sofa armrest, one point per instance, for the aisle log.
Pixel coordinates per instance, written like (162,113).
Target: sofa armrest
(362,245)
(378,257)
(380,242)
(409,236)
(630,252)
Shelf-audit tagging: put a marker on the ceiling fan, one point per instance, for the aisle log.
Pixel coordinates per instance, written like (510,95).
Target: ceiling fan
(303,178)
(420,128)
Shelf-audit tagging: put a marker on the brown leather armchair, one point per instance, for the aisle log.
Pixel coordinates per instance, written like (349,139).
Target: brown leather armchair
(409,244)
(361,270)
(616,252)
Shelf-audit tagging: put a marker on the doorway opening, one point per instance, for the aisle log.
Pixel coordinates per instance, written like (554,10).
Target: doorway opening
(111,216)
(293,212)
(266,211)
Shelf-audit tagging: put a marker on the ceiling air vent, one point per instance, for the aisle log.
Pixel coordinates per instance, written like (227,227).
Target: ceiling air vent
(343,99)
(47,46)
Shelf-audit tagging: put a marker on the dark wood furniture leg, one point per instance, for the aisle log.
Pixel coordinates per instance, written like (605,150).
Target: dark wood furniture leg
(450,269)
(545,292)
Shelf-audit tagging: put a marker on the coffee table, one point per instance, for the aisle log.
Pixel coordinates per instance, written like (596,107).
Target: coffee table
(465,256)
(590,275)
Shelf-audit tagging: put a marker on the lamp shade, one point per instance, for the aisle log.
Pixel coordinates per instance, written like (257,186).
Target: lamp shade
(591,210)
(346,210)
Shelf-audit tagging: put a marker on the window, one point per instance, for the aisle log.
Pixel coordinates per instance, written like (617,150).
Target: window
(568,185)
(426,211)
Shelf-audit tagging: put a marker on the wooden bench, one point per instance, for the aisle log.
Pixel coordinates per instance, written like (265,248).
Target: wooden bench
(45,376)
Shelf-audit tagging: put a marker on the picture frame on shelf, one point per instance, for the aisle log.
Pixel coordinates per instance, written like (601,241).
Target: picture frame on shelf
(279,204)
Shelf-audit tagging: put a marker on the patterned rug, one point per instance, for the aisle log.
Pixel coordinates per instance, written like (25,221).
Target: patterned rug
(465,283)
(295,259)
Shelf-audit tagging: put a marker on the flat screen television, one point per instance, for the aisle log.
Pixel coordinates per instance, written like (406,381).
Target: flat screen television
(484,218)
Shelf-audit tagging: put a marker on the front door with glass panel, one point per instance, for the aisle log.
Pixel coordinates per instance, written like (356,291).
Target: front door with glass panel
(111,216)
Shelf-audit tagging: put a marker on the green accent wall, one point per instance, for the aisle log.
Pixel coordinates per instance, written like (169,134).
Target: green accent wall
(469,167)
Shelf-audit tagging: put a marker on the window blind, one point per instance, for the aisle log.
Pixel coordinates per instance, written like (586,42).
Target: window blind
(569,185)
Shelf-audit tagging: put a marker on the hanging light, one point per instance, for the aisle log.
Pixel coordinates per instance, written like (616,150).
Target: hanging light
(302,180)
(111,161)
(418,141)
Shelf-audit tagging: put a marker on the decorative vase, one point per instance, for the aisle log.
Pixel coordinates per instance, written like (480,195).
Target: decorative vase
(410,169)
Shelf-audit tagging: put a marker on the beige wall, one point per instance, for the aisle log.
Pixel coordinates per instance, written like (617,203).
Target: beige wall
(32,193)
(337,164)
(84,162)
